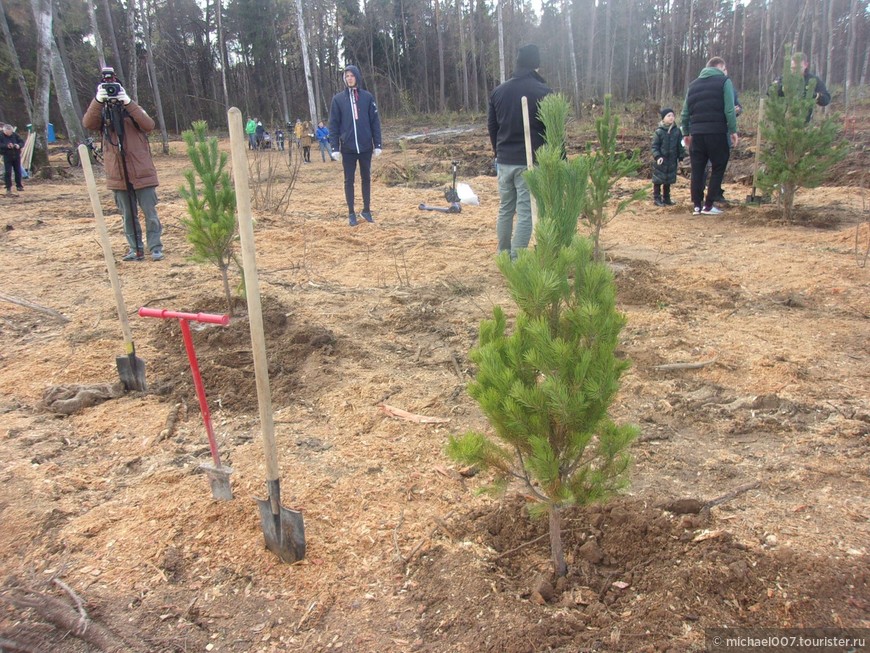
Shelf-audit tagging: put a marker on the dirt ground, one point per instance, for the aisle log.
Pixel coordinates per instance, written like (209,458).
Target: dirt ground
(107,505)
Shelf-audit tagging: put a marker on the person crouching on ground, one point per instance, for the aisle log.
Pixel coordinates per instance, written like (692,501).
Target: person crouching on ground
(124,123)
(354,136)
(667,151)
(10,146)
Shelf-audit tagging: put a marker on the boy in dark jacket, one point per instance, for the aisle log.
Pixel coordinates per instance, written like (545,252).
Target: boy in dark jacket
(507,135)
(667,151)
(10,146)
(354,136)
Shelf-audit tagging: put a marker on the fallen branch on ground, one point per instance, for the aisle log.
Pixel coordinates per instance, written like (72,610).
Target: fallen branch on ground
(34,307)
(685,366)
(392,411)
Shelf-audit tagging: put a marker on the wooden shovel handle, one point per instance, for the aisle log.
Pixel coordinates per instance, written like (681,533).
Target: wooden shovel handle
(252,288)
(85,158)
(530,159)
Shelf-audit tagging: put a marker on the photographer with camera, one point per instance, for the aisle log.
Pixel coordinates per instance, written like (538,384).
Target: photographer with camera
(130,171)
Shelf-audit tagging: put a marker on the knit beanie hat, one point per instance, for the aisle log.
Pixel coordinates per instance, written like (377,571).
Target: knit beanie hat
(666,111)
(529,57)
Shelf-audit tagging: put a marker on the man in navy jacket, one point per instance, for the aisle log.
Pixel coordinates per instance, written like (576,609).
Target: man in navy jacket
(354,135)
(507,135)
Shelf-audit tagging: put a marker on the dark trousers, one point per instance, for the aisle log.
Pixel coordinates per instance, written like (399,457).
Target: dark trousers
(715,149)
(349,161)
(10,165)
(657,190)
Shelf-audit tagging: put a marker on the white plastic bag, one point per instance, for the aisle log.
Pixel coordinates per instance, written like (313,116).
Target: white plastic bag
(466,195)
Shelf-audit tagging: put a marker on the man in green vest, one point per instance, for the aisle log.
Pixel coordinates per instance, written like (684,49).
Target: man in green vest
(251,131)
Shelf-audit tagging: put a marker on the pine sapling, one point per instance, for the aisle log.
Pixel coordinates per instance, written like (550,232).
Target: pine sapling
(800,149)
(211,204)
(606,167)
(546,386)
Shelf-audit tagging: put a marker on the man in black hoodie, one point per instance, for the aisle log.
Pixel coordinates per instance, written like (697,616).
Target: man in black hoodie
(354,135)
(505,124)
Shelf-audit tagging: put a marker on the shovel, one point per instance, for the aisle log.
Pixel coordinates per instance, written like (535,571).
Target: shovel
(218,475)
(753,198)
(131,368)
(283,529)
(530,159)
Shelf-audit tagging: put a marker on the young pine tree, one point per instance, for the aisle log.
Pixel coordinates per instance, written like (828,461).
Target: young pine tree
(211,204)
(606,167)
(546,386)
(800,149)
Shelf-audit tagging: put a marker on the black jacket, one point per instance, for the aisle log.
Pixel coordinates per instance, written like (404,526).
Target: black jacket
(505,118)
(667,145)
(10,153)
(354,123)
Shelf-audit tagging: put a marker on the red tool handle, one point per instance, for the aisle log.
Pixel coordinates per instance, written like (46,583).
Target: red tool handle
(200,390)
(210,318)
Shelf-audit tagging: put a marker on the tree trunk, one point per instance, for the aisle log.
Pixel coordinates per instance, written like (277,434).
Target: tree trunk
(560,568)
(501,67)
(830,49)
(222,50)
(626,80)
(690,47)
(114,39)
(608,49)
(42,20)
(64,59)
(16,64)
(132,87)
(572,55)
(463,55)
(474,67)
(442,99)
(589,91)
(71,119)
(95,29)
(850,51)
(152,72)
(788,193)
(306,62)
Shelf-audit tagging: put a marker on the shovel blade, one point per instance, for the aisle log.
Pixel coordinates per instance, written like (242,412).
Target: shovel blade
(131,369)
(284,533)
(219,480)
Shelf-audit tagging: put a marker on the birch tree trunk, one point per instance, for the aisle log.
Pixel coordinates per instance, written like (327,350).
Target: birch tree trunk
(16,64)
(114,39)
(306,62)
(64,59)
(42,20)
(71,119)
(474,67)
(95,30)
(222,50)
(572,53)
(830,49)
(500,18)
(608,49)
(590,52)
(132,87)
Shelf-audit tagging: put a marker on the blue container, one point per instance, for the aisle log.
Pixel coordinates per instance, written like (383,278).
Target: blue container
(51,136)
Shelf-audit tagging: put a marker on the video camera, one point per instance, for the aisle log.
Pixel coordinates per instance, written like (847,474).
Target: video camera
(110,83)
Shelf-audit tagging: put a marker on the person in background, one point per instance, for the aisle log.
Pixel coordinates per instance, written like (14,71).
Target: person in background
(507,135)
(259,131)
(813,84)
(708,123)
(354,136)
(251,131)
(667,151)
(297,132)
(130,172)
(279,139)
(307,139)
(322,136)
(10,148)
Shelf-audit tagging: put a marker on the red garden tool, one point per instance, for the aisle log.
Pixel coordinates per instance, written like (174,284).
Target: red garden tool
(218,475)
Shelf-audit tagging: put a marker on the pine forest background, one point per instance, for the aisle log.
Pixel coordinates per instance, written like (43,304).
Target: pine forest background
(190,59)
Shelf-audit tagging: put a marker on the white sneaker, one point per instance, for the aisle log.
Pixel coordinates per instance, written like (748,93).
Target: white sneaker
(697,211)
(711,211)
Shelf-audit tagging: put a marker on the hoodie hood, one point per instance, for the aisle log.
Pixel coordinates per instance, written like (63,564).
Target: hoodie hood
(356,73)
(711,72)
